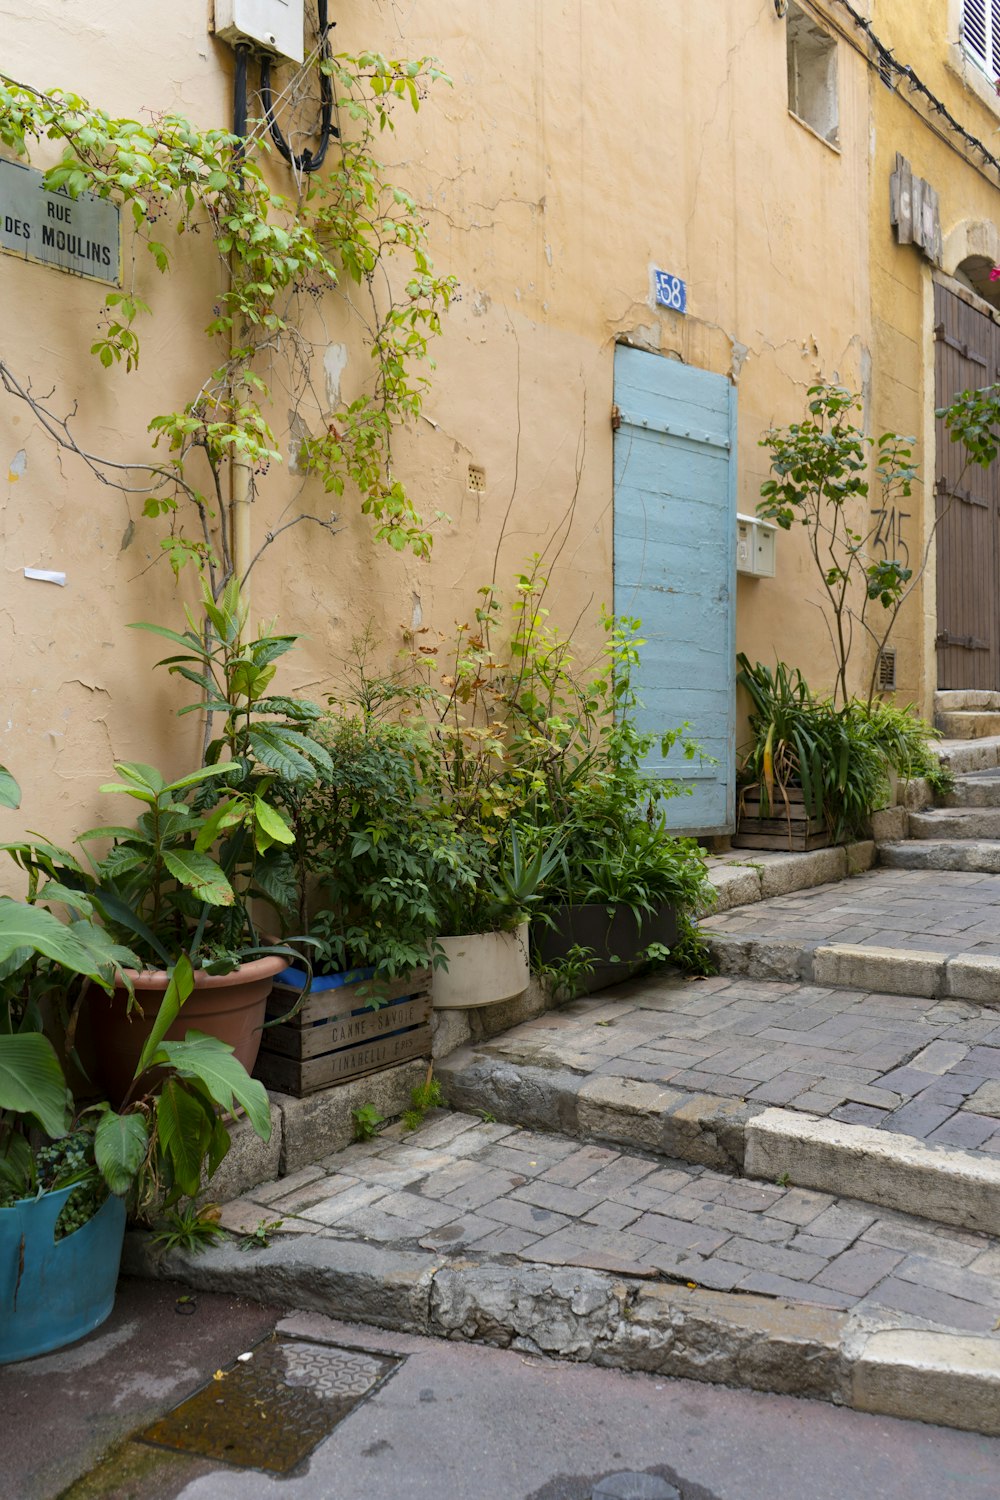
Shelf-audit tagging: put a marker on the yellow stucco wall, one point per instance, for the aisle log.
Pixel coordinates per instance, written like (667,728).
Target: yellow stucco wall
(578,146)
(924,35)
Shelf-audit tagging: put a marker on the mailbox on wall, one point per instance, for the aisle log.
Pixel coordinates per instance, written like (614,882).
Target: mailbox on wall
(755,545)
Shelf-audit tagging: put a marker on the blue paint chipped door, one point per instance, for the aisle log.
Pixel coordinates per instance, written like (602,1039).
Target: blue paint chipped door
(675,568)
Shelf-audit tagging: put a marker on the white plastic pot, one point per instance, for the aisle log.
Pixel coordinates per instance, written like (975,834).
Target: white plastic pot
(483,968)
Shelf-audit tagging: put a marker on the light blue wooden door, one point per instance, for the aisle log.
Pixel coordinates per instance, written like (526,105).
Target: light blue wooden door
(675,567)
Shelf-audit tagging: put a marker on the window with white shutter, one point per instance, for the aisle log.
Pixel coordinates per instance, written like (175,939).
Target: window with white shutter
(981,33)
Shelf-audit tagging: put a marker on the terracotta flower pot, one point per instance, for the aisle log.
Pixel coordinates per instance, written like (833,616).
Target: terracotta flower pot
(228,1006)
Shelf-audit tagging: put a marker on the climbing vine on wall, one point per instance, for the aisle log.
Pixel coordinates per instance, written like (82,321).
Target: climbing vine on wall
(345,232)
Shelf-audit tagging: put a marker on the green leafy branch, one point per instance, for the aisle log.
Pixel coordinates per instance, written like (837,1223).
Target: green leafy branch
(278,253)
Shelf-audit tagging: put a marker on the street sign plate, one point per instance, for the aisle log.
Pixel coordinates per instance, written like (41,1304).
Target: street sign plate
(51,228)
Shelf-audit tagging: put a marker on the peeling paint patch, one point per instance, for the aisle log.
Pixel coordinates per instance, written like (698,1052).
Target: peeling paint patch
(740,352)
(18,464)
(480,304)
(417,619)
(298,435)
(334,365)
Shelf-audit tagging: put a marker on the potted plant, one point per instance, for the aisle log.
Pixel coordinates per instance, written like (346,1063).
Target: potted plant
(813,773)
(486,960)
(528,739)
(65,1171)
(181,881)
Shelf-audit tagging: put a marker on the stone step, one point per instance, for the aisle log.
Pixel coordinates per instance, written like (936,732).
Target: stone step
(953,700)
(483,1231)
(745,876)
(929,853)
(956,823)
(974,724)
(928,974)
(977,789)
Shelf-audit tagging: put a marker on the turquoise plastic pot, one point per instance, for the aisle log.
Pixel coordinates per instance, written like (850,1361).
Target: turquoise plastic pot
(55,1291)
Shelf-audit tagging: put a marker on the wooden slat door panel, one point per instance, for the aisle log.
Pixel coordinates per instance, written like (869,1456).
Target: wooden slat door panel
(967,356)
(675,567)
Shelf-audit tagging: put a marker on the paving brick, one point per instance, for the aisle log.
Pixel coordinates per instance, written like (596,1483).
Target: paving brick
(574,1169)
(506,1241)
(470,1229)
(957,1282)
(423,1213)
(963,1130)
(782,1089)
(782,1262)
(795,1291)
(489,1185)
(685,1236)
(811,1244)
(285,1187)
(331,1210)
(753,1197)
(561,1200)
(799,1206)
(611,1216)
(517,1161)
(857,1271)
(840,1222)
(622,1173)
(320,1190)
(440,1184)
(934,1307)
(917,1119)
(537,1221)
(751,1226)
(441,1131)
(859,1114)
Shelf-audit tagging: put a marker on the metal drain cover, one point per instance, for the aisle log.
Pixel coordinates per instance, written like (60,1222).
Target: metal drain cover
(269,1412)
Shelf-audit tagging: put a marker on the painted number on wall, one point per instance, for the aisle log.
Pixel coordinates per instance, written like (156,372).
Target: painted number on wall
(889,534)
(671,291)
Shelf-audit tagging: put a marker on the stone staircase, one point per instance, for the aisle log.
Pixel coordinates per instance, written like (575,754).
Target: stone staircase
(965,833)
(786,1176)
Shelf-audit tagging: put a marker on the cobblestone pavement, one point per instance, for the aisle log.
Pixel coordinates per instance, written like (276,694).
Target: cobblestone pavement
(938,911)
(924,1068)
(462,1187)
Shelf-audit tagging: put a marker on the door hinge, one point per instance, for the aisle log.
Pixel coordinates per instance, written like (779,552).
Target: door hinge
(967,642)
(616,417)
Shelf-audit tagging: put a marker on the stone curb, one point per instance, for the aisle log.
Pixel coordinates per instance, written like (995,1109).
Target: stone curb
(881,1167)
(747,876)
(884,971)
(928,852)
(941,1183)
(575,1313)
(700,1128)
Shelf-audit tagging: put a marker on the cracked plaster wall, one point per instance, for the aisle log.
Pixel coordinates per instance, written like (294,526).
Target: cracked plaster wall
(577,147)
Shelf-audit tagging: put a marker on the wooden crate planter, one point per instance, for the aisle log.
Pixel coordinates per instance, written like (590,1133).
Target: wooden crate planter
(788,827)
(338,1035)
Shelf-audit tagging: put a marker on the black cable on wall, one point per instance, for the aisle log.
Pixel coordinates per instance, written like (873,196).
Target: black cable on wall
(308,160)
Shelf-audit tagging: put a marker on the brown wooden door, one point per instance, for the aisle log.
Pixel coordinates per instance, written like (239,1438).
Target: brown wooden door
(967,357)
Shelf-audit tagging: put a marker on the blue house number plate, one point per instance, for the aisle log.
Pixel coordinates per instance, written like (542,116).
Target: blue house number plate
(671,291)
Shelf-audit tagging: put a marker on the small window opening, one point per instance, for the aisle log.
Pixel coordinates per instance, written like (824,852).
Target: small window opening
(981,34)
(974,273)
(812,75)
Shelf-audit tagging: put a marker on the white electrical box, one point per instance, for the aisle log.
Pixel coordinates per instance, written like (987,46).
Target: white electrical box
(755,545)
(275,26)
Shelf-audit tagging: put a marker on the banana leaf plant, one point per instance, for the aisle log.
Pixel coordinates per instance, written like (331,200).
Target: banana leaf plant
(183,878)
(170,1130)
